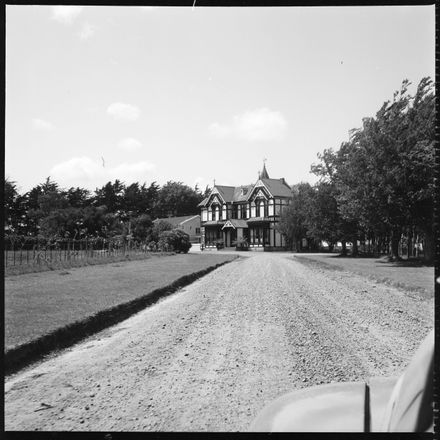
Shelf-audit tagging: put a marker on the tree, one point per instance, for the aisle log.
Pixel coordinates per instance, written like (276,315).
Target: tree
(141,227)
(61,223)
(40,201)
(159,227)
(10,205)
(133,200)
(323,219)
(96,221)
(177,199)
(383,176)
(293,223)
(111,196)
(78,197)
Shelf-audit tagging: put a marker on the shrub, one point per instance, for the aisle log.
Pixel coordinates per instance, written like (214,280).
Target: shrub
(157,229)
(152,246)
(241,244)
(175,240)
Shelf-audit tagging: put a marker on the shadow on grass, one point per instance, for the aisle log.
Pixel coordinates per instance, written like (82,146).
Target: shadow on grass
(386,260)
(29,352)
(420,291)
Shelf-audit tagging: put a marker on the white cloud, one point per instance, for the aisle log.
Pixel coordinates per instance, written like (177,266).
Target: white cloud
(66,14)
(130,144)
(87,31)
(77,168)
(125,112)
(83,171)
(40,124)
(257,125)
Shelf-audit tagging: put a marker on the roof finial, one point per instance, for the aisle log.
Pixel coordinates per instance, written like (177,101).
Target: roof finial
(214,182)
(264,174)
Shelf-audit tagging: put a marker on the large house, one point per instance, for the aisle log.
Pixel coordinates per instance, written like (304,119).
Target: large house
(230,214)
(188,223)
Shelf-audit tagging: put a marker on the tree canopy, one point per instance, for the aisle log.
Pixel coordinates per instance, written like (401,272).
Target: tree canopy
(380,183)
(112,210)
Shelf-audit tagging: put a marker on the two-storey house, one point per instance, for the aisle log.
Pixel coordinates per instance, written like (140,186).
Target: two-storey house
(248,212)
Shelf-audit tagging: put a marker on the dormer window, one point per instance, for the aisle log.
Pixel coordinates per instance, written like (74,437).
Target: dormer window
(244,191)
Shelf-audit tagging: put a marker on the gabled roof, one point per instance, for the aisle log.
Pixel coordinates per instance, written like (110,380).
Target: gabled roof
(226,192)
(176,221)
(240,195)
(278,187)
(203,202)
(235,223)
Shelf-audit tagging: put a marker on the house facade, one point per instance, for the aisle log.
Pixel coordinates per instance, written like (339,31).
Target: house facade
(189,224)
(251,212)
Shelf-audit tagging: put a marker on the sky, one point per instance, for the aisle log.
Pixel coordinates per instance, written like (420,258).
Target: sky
(145,94)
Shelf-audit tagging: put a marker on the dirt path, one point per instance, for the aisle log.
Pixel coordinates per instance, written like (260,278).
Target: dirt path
(211,356)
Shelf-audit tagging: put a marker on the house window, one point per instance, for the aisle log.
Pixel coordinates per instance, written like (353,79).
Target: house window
(234,211)
(260,208)
(243,211)
(197,230)
(216,212)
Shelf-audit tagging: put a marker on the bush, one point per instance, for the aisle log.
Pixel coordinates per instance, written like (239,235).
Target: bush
(175,240)
(241,244)
(157,229)
(152,246)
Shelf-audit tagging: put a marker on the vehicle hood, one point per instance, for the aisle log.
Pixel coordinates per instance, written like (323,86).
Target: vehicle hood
(336,407)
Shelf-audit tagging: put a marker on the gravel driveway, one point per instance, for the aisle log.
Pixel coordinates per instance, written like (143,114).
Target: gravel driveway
(209,357)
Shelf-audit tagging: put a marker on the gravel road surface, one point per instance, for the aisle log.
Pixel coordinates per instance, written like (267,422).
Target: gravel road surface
(209,357)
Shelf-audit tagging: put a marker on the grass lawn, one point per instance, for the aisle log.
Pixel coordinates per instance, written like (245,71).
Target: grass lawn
(406,275)
(39,303)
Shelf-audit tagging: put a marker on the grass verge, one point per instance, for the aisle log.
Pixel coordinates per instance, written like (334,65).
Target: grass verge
(23,354)
(414,278)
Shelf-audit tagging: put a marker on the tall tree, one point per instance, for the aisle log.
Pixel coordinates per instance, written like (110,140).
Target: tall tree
(293,223)
(110,195)
(177,199)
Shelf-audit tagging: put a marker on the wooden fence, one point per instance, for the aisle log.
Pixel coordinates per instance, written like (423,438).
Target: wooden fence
(18,254)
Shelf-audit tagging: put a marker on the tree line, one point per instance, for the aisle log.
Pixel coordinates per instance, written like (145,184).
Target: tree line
(378,187)
(52,213)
